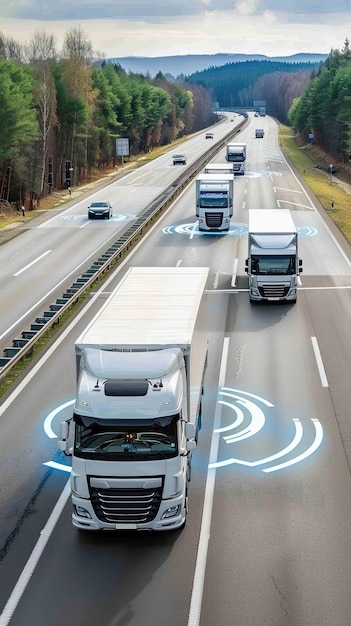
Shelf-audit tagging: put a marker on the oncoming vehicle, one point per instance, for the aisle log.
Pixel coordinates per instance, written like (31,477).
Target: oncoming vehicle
(179,159)
(100,209)
(209,136)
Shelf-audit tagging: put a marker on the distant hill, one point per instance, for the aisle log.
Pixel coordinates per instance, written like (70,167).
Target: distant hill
(191,63)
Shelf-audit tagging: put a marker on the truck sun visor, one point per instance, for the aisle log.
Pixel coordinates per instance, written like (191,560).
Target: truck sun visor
(126,387)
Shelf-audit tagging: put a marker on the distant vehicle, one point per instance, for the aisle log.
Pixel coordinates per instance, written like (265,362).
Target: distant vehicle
(273,264)
(262,111)
(209,136)
(101,209)
(236,154)
(179,159)
(256,113)
(259,133)
(214,201)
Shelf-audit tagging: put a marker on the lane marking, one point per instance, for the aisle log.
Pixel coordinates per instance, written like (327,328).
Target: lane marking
(235,271)
(194,230)
(318,357)
(201,558)
(32,562)
(32,262)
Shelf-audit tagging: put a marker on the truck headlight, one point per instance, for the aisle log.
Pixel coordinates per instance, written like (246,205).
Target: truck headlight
(171,512)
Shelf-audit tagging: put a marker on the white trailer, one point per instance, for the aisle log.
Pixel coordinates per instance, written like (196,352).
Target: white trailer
(140,374)
(214,201)
(218,168)
(236,154)
(273,264)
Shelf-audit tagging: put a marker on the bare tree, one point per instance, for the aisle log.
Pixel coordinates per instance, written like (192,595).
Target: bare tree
(10,49)
(78,52)
(40,52)
(77,45)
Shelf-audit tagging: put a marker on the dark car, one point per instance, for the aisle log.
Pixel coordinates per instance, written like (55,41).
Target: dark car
(209,136)
(101,209)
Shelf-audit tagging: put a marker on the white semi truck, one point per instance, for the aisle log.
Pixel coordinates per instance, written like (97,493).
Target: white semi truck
(214,201)
(273,264)
(140,374)
(236,154)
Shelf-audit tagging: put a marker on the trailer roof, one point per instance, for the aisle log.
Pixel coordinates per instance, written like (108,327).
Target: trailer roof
(218,168)
(216,177)
(153,306)
(271,221)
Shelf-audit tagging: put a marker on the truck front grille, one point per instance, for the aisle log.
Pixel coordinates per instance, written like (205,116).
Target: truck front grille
(123,506)
(273,290)
(214,220)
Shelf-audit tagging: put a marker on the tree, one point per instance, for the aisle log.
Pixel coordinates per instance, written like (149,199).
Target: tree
(40,52)
(18,123)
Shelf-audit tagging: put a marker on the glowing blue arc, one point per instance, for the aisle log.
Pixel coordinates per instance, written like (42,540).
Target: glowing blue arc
(48,420)
(257,421)
(315,445)
(59,466)
(294,443)
(224,391)
(239,419)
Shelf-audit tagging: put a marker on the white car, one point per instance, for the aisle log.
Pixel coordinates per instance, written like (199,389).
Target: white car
(179,159)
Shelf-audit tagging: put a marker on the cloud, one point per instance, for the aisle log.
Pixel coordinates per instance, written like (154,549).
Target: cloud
(246,7)
(156,11)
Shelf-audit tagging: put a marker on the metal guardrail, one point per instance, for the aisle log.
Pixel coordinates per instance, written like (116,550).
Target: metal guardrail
(23,346)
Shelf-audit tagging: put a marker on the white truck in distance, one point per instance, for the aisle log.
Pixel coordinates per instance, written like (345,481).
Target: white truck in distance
(140,374)
(236,154)
(214,201)
(273,264)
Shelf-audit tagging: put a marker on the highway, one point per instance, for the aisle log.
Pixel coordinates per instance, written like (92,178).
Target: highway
(267,539)
(37,268)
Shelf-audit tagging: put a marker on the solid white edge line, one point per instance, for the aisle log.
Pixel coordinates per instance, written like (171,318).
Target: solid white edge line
(235,271)
(32,562)
(201,559)
(318,357)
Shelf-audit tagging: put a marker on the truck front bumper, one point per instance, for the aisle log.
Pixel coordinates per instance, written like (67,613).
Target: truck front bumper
(171,515)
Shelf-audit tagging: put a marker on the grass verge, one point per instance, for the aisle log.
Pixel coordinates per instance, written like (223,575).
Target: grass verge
(332,192)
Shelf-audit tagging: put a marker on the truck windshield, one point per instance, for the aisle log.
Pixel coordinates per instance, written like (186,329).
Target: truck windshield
(127,440)
(239,158)
(213,199)
(273,264)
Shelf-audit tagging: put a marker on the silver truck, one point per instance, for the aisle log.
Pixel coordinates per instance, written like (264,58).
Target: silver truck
(273,264)
(140,374)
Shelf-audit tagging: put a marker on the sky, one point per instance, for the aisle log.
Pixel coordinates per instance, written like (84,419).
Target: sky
(154,28)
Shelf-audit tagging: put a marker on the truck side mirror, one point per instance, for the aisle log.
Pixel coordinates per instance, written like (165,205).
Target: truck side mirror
(300,266)
(247,266)
(189,430)
(190,445)
(64,430)
(63,444)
